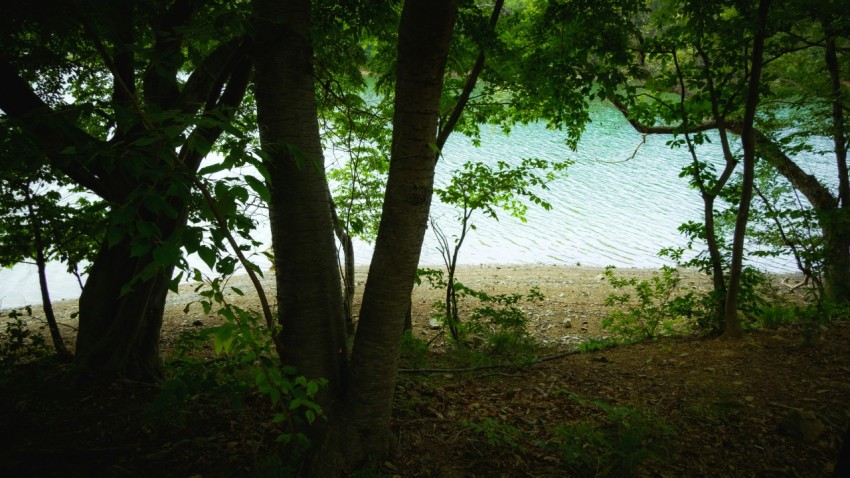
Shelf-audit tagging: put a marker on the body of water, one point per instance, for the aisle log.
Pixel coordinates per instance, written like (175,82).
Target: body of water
(620,203)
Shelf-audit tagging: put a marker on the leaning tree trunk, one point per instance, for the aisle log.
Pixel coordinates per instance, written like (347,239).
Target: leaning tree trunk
(309,295)
(424,37)
(832,218)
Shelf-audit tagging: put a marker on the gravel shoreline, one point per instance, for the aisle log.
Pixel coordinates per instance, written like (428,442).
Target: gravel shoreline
(571,312)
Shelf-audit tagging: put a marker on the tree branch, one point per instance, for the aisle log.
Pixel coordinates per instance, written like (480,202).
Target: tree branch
(463,99)
(53,132)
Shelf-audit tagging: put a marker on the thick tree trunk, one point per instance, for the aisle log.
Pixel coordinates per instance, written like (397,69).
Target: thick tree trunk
(837,263)
(309,295)
(837,240)
(119,331)
(424,37)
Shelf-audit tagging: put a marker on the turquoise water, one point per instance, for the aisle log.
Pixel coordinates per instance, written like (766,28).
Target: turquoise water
(620,204)
(613,208)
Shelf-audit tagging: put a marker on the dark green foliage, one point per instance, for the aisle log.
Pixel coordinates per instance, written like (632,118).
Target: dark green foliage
(497,434)
(616,445)
(245,362)
(497,323)
(414,351)
(593,344)
(657,308)
(18,343)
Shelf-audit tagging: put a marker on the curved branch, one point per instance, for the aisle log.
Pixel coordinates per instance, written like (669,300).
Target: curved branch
(160,78)
(52,131)
(190,154)
(647,129)
(463,99)
(210,76)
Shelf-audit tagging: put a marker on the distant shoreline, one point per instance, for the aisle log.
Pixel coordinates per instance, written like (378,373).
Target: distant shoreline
(517,275)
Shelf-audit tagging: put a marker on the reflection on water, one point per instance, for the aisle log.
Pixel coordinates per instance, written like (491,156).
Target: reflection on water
(612,208)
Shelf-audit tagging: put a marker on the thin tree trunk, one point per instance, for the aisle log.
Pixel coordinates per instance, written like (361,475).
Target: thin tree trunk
(41,263)
(347,271)
(717,279)
(731,321)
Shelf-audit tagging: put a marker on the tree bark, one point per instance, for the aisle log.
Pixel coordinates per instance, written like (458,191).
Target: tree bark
(309,295)
(119,330)
(835,230)
(731,321)
(347,270)
(837,241)
(424,36)
(41,263)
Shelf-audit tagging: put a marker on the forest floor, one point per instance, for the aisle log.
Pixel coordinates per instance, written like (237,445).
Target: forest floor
(773,404)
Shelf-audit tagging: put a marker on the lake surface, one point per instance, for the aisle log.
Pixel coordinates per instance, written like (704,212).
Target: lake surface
(613,208)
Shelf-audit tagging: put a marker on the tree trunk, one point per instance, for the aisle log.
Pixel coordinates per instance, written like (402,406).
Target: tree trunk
(41,263)
(731,321)
(837,240)
(309,295)
(119,331)
(347,271)
(835,231)
(424,37)
(714,256)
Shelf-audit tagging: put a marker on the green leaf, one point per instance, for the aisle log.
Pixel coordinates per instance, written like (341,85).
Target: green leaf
(166,254)
(140,246)
(174,285)
(207,255)
(213,168)
(259,187)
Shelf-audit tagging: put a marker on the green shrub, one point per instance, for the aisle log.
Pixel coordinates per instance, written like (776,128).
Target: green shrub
(496,433)
(245,361)
(497,325)
(414,351)
(18,343)
(773,316)
(654,310)
(624,440)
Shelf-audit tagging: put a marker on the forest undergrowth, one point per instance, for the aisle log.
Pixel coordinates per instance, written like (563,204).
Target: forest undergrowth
(774,403)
